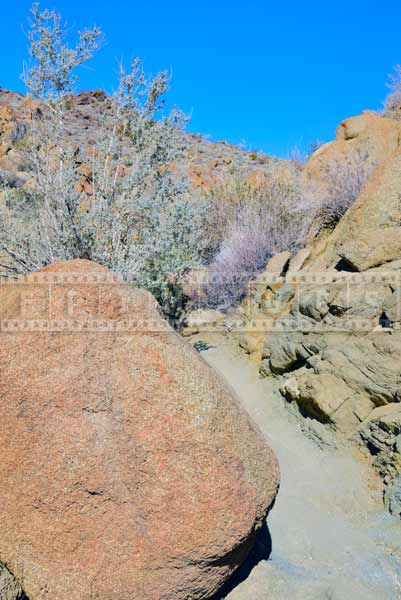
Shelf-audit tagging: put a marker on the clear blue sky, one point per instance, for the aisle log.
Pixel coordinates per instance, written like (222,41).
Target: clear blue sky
(273,75)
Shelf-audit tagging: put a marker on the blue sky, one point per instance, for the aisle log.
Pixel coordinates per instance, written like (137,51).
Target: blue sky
(273,75)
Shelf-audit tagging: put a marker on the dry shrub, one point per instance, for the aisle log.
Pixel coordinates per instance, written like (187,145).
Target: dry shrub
(138,220)
(392,104)
(344,181)
(252,221)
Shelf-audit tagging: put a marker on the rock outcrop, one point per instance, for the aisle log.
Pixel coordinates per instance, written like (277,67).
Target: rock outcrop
(128,469)
(333,341)
(365,224)
(368,135)
(329,326)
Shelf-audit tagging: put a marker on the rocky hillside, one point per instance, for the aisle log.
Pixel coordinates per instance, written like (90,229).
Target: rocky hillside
(326,322)
(204,162)
(200,376)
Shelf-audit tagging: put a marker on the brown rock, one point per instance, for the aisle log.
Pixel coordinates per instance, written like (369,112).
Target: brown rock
(370,124)
(128,469)
(320,396)
(389,414)
(377,208)
(381,433)
(298,261)
(203,319)
(92,152)
(7,120)
(32,107)
(6,112)
(367,133)
(86,171)
(4,148)
(252,343)
(83,186)
(6,164)
(278,263)
(372,249)
(270,278)
(392,306)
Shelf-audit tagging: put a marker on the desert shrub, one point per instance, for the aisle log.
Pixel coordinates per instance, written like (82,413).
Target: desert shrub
(128,208)
(50,72)
(298,157)
(344,179)
(135,217)
(392,103)
(261,219)
(141,223)
(251,221)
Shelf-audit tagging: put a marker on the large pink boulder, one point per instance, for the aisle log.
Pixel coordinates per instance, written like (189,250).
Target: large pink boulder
(128,469)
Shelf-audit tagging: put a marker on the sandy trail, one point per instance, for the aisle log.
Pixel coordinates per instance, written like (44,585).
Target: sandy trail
(331,538)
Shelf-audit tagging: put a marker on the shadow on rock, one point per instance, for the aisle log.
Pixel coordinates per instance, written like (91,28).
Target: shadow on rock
(260,550)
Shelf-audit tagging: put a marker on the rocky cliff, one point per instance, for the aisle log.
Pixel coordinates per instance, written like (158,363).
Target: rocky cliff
(326,322)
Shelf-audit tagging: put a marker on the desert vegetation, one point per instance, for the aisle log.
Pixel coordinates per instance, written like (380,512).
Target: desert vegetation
(254,220)
(392,103)
(136,217)
(345,178)
(120,200)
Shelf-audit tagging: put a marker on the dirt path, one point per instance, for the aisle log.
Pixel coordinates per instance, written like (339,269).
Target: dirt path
(330,536)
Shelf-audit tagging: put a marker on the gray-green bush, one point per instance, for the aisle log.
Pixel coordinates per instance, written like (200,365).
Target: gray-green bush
(139,220)
(344,180)
(50,72)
